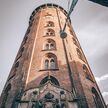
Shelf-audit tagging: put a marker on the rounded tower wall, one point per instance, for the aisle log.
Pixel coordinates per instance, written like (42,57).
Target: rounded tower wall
(49,67)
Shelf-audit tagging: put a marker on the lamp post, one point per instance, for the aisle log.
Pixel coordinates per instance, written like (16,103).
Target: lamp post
(74,2)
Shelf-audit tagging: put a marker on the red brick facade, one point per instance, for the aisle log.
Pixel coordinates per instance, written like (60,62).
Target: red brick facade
(50,71)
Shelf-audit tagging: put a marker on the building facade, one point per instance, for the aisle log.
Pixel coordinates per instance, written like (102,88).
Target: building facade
(50,71)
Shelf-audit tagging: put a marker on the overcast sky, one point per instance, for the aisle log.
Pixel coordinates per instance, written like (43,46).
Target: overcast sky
(89,20)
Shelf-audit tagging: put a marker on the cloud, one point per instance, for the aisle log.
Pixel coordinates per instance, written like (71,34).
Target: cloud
(105,95)
(102,82)
(102,78)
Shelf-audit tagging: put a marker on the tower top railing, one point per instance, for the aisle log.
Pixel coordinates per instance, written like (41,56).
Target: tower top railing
(49,5)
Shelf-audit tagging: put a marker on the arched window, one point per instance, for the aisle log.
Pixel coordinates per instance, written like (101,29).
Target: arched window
(50,24)
(50,45)
(50,61)
(97,99)
(51,78)
(80,54)
(50,32)
(6,93)
(87,73)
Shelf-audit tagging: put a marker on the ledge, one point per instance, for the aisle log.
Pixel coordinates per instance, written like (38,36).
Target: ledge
(49,69)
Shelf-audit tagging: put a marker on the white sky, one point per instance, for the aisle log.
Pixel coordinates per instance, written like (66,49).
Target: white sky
(89,20)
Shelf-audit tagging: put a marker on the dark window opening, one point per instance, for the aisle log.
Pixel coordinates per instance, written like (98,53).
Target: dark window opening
(17,64)
(52,79)
(50,32)
(75,42)
(80,55)
(47,46)
(28,31)
(12,75)
(97,99)
(20,53)
(46,64)
(22,49)
(87,73)
(52,64)
(25,40)
(6,93)
(50,24)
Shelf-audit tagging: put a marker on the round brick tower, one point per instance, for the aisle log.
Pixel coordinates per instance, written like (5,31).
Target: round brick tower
(50,71)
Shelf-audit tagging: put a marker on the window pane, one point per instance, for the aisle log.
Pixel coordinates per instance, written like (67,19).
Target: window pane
(46,64)
(52,64)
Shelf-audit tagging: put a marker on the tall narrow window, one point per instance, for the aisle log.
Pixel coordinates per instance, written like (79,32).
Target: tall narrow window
(52,46)
(8,88)
(97,99)
(75,42)
(25,40)
(87,73)
(80,54)
(52,64)
(28,31)
(47,46)
(46,64)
